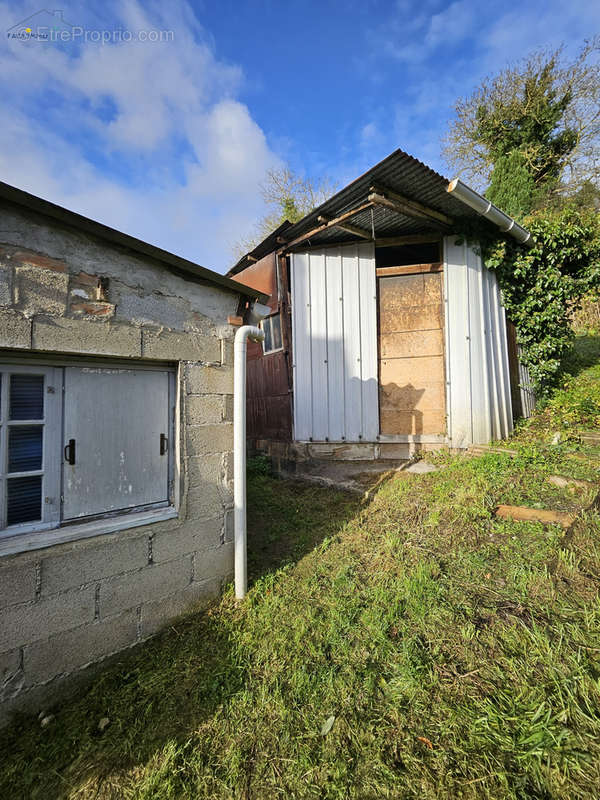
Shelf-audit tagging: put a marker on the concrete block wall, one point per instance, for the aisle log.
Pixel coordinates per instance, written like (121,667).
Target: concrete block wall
(67,606)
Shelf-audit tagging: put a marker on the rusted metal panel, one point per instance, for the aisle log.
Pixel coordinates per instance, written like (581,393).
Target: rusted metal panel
(261,276)
(269,418)
(268,396)
(411,360)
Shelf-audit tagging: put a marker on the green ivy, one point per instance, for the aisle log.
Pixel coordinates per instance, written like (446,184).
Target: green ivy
(543,285)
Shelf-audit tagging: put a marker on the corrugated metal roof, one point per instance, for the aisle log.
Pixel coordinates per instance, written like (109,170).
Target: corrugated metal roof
(400,173)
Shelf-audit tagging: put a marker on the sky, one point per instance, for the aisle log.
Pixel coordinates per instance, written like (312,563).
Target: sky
(170,140)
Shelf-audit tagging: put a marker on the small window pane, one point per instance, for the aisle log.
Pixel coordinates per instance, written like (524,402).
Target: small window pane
(267,344)
(24,448)
(24,499)
(26,396)
(276,323)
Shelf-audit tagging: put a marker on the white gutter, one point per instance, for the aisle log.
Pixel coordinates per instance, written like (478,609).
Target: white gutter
(239,448)
(488,210)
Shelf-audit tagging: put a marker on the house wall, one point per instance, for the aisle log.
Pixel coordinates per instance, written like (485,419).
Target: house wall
(67,605)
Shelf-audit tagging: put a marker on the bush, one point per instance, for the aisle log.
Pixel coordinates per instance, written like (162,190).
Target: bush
(544,286)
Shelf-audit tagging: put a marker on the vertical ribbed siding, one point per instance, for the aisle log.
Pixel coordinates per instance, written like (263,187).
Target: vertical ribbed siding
(334,317)
(477,370)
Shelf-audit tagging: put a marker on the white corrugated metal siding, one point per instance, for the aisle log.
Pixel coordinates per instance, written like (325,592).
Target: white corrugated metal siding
(334,323)
(477,372)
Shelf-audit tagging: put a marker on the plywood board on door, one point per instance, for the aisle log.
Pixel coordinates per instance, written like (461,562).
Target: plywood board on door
(411,355)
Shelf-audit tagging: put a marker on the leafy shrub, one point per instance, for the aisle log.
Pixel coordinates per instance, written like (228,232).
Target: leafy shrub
(543,286)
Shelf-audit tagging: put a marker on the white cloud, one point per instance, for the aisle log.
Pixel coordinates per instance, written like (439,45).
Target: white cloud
(147,137)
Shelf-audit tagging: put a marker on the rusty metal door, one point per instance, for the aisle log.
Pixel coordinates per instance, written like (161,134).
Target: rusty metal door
(411,352)
(116,440)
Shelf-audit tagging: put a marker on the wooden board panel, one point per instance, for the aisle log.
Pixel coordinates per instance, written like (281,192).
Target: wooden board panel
(416,318)
(412,422)
(412,389)
(414,371)
(411,344)
(424,397)
(408,270)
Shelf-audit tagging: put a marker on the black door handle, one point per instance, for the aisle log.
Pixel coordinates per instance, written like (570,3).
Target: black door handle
(70,452)
(164,444)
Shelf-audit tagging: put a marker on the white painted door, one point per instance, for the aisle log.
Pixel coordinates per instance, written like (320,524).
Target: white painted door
(114,419)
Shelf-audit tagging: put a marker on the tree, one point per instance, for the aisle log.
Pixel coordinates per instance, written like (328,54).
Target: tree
(532,133)
(288,196)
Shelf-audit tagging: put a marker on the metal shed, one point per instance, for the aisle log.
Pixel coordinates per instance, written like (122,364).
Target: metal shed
(393,334)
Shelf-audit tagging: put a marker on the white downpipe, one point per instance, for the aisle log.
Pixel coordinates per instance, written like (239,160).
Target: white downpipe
(239,454)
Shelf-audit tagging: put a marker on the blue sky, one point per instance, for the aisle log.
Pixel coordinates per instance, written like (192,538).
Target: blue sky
(169,141)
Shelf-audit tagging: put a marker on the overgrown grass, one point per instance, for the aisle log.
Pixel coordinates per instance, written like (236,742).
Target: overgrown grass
(458,654)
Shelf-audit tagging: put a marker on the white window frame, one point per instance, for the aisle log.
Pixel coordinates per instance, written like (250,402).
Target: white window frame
(52,529)
(269,321)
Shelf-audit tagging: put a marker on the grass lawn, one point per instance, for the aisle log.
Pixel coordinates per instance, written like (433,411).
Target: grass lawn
(409,647)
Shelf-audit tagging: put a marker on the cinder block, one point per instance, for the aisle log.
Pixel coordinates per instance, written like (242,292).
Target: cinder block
(30,622)
(194,597)
(150,308)
(15,330)
(17,583)
(228,469)
(227,408)
(205,469)
(216,563)
(204,439)
(83,336)
(71,650)
(153,582)
(209,380)
(229,525)
(205,409)
(227,352)
(5,286)
(41,291)
(189,538)
(10,665)
(83,564)
(173,346)
(206,501)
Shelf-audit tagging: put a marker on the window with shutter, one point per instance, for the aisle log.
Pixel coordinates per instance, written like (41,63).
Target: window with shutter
(115,419)
(78,443)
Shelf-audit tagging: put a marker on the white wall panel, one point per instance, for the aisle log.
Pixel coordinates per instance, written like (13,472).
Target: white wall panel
(335,347)
(334,317)
(478,382)
(301,343)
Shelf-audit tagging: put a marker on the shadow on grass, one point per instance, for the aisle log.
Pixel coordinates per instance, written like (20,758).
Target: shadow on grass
(160,693)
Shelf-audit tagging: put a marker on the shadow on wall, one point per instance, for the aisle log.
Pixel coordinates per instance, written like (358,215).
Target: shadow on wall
(338,396)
